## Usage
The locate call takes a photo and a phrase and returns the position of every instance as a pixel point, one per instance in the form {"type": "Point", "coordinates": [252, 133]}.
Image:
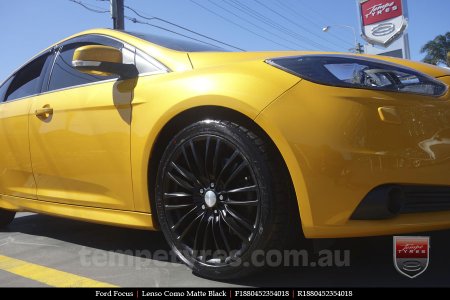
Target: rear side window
{"type": "Point", "coordinates": [27, 81]}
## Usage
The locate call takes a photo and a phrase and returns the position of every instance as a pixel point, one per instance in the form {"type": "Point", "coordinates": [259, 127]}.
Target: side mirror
{"type": "Point", "coordinates": [102, 61]}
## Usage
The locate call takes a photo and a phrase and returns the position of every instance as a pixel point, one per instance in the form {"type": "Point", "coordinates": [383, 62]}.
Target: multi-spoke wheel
{"type": "Point", "coordinates": [215, 197]}
{"type": "Point", "coordinates": [6, 217]}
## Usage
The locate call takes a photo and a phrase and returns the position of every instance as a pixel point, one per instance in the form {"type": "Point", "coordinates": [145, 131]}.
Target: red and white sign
{"type": "Point", "coordinates": [379, 10]}
{"type": "Point", "coordinates": [411, 255]}
{"type": "Point", "coordinates": [382, 21]}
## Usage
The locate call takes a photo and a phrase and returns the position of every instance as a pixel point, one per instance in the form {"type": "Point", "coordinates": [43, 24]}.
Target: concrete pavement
{"type": "Point", "coordinates": [97, 254]}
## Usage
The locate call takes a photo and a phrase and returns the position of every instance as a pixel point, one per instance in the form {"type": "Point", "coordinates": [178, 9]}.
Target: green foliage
{"type": "Point", "coordinates": [437, 50]}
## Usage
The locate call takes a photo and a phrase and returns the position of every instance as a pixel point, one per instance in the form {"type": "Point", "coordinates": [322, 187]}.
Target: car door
{"type": "Point", "coordinates": [80, 135]}
{"type": "Point", "coordinates": [16, 97]}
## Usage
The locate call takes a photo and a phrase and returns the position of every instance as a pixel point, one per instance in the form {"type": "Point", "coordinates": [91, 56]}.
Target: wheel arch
{"type": "Point", "coordinates": [189, 116]}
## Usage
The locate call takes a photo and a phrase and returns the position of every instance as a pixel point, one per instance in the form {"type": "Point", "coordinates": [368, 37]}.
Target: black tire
{"type": "Point", "coordinates": [6, 217]}
{"type": "Point", "coordinates": [214, 229]}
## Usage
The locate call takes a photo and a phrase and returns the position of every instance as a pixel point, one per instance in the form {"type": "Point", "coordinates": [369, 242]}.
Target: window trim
{"type": "Point", "coordinates": [7, 78]}
{"type": "Point", "coordinates": [60, 47]}
{"type": "Point", "coordinates": [46, 83]}
{"type": "Point", "coordinates": [3, 83]}
{"type": "Point", "coordinates": [163, 69]}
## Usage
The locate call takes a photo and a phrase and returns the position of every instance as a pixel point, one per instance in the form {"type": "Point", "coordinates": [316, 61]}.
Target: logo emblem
{"type": "Point", "coordinates": [382, 21]}
{"type": "Point", "coordinates": [383, 29]}
{"type": "Point", "coordinates": [411, 255]}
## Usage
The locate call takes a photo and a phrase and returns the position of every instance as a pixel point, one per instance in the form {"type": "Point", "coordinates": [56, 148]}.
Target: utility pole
{"type": "Point", "coordinates": [359, 48]}
{"type": "Point", "coordinates": [117, 14]}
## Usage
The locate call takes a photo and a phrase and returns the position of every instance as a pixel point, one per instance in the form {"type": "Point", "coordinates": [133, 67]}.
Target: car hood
{"type": "Point", "coordinates": [212, 59]}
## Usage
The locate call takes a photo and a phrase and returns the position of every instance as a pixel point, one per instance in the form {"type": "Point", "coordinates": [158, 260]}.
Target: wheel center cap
{"type": "Point", "coordinates": [210, 199]}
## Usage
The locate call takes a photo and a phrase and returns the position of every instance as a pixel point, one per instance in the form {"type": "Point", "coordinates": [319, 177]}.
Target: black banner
{"type": "Point", "coordinates": [217, 293]}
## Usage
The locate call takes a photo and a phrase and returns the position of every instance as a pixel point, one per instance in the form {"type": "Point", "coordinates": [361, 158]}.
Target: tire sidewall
{"type": "Point", "coordinates": [243, 142]}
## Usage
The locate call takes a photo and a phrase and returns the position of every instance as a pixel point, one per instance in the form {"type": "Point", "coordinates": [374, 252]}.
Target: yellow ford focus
{"type": "Point", "coordinates": [225, 152]}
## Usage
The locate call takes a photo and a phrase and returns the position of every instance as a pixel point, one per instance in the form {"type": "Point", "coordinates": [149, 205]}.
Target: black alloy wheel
{"type": "Point", "coordinates": [215, 198]}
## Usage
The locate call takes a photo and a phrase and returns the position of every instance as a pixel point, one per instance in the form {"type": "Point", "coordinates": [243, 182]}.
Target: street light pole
{"type": "Point", "coordinates": [358, 48]}
{"type": "Point", "coordinates": [117, 14]}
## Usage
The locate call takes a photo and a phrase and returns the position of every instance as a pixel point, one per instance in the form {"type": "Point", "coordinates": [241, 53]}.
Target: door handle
{"type": "Point", "coordinates": [44, 112]}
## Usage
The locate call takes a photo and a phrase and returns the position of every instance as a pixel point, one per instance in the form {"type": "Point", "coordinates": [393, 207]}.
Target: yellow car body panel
{"type": "Point", "coordinates": [16, 174]}
{"type": "Point", "coordinates": [202, 60]}
{"type": "Point", "coordinates": [81, 154]}
{"type": "Point", "coordinates": [158, 99]}
{"type": "Point", "coordinates": [122, 218]}
{"type": "Point", "coordinates": [90, 161]}
{"type": "Point", "coordinates": [340, 148]}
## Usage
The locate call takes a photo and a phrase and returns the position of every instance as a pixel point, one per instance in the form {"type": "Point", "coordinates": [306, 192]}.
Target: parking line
{"type": "Point", "coordinates": [48, 276]}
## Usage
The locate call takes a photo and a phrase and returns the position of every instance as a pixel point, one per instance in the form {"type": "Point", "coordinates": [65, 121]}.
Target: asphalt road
{"type": "Point", "coordinates": [119, 257]}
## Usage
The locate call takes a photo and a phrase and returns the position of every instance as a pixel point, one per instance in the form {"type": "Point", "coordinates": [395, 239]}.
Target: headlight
{"type": "Point", "coordinates": [358, 72]}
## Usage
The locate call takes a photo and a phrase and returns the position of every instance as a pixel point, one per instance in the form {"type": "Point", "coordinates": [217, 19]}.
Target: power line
{"type": "Point", "coordinates": [182, 27]}
{"type": "Point", "coordinates": [255, 25]}
{"type": "Point", "coordinates": [238, 25]}
{"type": "Point", "coordinates": [312, 10]}
{"type": "Point", "coordinates": [134, 20]}
{"type": "Point", "coordinates": [290, 9]}
{"type": "Point", "coordinates": [90, 7]}
{"type": "Point", "coordinates": [291, 21]}
{"type": "Point", "coordinates": [318, 14]}
{"type": "Point", "coordinates": [268, 21]}
{"type": "Point", "coordinates": [260, 17]}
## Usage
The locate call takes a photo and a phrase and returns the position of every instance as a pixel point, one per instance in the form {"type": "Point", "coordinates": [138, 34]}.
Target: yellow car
{"type": "Point", "coordinates": [225, 152]}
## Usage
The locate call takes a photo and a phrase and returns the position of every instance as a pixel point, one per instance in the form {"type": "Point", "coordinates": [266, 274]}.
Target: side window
{"type": "Point", "coordinates": [63, 75]}
{"type": "Point", "coordinates": [4, 88]}
{"type": "Point", "coordinates": [146, 64]}
{"type": "Point", "coordinates": [27, 81]}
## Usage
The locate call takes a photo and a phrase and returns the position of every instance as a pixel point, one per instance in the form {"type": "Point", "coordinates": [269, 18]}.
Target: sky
{"type": "Point", "coordinates": [29, 26]}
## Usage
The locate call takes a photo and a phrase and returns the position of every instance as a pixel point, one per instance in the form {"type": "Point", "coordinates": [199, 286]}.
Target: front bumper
{"type": "Point", "coordinates": [339, 144]}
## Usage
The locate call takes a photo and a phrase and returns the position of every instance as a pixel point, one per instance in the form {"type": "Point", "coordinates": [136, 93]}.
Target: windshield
{"type": "Point", "coordinates": [176, 44]}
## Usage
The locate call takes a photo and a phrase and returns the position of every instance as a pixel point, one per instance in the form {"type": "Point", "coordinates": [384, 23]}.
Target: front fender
{"type": "Point", "coordinates": [245, 87]}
